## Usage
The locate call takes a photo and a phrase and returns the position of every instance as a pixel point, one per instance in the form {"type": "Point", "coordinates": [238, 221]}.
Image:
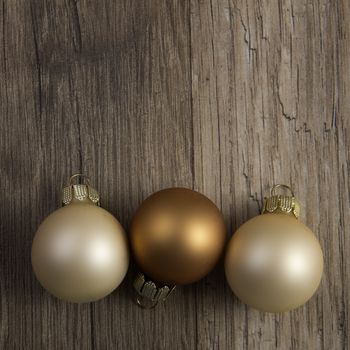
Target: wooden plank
{"type": "Point", "coordinates": [39, 149]}
{"type": "Point", "coordinates": [227, 97]}
{"type": "Point", "coordinates": [269, 107]}
{"type": "Point", "coordinates": [136, 138]}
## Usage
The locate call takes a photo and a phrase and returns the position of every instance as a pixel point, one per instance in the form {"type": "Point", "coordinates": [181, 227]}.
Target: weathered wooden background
{"type": "Point", "coordinates": [224, 96]}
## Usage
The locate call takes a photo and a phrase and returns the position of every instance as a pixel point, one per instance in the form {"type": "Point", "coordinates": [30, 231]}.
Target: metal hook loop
{"type": "Point", "coordinates": [81, 176]}
{"type": "Point", "coordinates": [274, 188]}
{"type": "Point", "coordinates": [146, 304]}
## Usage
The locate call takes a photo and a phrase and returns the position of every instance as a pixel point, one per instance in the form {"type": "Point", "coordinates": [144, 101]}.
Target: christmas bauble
{"type": "Point", "coordinates": [274, 262]}
{"type": "Point", "coordinates": [80, 251]}
{"type": "Point", "coordinates": [177, 236]}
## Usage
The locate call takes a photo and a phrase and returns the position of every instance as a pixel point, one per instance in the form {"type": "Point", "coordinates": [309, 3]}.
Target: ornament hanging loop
{"type": "Point", "coordinates": [148, 294]}
{"type": "Point", "coordinates": [81, 192]}
{"type": "Point", "coordinates": [145, 303]}
{"type": "Point", "coordinates": [281, 203]}
{"type": "Point", "coordinates": [84, 179]}
{"type": "Point", "coordinates": [274, 188]}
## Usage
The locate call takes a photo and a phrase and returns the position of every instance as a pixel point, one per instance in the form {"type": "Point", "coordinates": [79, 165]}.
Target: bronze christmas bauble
{"type": "Point", "coordinates": [177, 236]}
{"type": "Point", "coordinates": [274, 262]}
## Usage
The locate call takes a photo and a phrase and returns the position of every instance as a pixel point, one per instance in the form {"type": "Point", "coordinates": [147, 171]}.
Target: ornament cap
{"type": "Point", "coordinates": [148, 293]}
{"type": "Point", "coordinates": [80, 192]}
{"type": "Point", "coordinates": [281, 203]}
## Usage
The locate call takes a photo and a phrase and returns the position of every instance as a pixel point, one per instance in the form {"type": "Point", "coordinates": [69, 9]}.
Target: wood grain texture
{"type": "Point", "coordinates": [227, 97]}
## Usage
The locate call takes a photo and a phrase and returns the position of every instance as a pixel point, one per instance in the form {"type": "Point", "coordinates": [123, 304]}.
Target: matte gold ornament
{"type": "Point", "coordinates": [274, 262]}
{"type": "Point", "coordinates": [80, 252]}
{"type": "Point", "coordinates": [177, 236]}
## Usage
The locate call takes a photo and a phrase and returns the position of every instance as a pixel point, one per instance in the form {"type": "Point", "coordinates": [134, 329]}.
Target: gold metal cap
{"type": "Point", "coordinates": [79, 192]}
{"type": "Point", "coordinates": [149, 294]}
{"type": "Point", "coordinates": [281, 203]}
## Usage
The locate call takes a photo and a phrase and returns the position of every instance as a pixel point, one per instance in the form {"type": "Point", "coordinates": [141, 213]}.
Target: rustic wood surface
{"type": "Point", "coordinates": [227, 97]}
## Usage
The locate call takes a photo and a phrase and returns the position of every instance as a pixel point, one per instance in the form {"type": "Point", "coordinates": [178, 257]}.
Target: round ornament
{"type": "Point", "coordinates": [80, 251]}
{"type": "Point", "coordinates": [177, 236]}
{"type": "Point", "coordinates": [274, 262]}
